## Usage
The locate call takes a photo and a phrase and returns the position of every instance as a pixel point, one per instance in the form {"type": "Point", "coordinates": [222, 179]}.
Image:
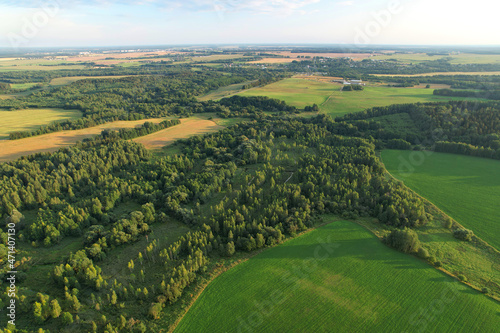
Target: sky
{"type": "Point", "coordinates": [73, 23]}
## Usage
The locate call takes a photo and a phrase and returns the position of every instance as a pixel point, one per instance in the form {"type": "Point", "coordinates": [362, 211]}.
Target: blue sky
{"type": "Point", "coordinates": [33, 23]}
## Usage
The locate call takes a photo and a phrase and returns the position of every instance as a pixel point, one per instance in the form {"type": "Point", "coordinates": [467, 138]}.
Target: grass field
{"type": "Point", "coordinates": [296, 91]}
{"type": "Point", "coordinates": [338, 278]}
{"type": "Point", "coordinates": [31, 119]}
{"type": "Point", "coordinates": [301, 92]}
{"type": "Point", "coordinates": [463, 58]}
{"type": "Point", "coordinates": [188, 127]}
{"type": "Point", "coordinates": [13, 149]}
{"type": "Point", "coordinates": [223, 92]}
{"type": "Point", "coordinates": [440, 73]}
{"type": "Point", "coordinates": [23, 85]}
{"type": "Point", "coordinates": [466, 188]}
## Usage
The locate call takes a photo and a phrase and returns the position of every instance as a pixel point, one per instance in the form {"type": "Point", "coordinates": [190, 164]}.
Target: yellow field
{"type": "Point", "coordinates": [187, 128]}
{"type": "Point", "coordinates": [61, 81]}
{"type": "Point", "coordinates": [31, 119]}
{"type": "Point", "coordinates": [13, 149]}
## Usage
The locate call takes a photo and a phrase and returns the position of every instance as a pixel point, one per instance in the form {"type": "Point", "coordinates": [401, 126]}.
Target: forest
{"type": "Point", "coordinates": [469, 128]}
{"type": "Point", "coordinates": [261, 194]}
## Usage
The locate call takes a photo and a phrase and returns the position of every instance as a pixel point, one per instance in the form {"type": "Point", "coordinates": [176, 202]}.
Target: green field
{"type": "Point", "coordinates": [23, 86]}
{"type": "Point", "coordinates": [223, 92]}
{"type": "Point", "coordinates": [31, 119]}
{"type": "Point", "coordinates": [23, 64]}
{"type": "Point", "coordinates": [297, 92]}
{"type": "Point", "coordinates": [338, 278]}
{"type": "Point", "coordinates": [332, 101]}
{"type": "Point", "coordinates": [466, 188]}
{"type": "Point", "coordinates": [462, 58]}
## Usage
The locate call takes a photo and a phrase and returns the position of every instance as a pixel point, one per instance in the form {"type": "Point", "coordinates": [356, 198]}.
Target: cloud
{"type": "Point", "coordinates": [346, 3]}
{"type": "Point", "coordinates": [255, 6]}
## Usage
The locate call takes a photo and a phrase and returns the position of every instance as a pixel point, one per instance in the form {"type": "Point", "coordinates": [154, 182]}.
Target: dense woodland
{"type": "Point", "coordinates": [349, 68]}
{"type": "Point", "coordinates": [256, 183]}
{"type": "Point", "coordinates": [470, 128]}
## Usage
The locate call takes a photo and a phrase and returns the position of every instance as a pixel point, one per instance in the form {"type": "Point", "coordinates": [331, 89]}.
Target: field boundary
{"type": "Point", "coordinates": [477, 240]}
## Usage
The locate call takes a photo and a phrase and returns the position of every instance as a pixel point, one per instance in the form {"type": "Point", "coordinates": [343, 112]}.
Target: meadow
{"type": "Point", "coordinates": [341, 277]}
{"type": "Point", "coordinates": [439, 73]}
{"type": "Point", "coordinates": [223, 92]}
{"type": "Point", "coordinates": [462, 58]}
{"type": "Point", "coordinates": [466, 188]}
{"type": "Point", "coordinates": [23, 64]}
{"type": "Point", "coordinates": [296, 91]}
{"type": "Point", "coordinates": [301, 92]}
{"type": "Point", "coordinates": [31, 119]}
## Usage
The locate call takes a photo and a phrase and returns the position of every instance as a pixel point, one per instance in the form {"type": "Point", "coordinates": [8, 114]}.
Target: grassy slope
{"type": "Point", "coordinates": [31, 119]}
{"type": "Point", "coordinates": [223, 92]}
{"type": "Point", "coordinates": [466, 188]}
{"type": "Point", "coordinates": [301, 92]}
{"type": "Point", "coordinates": [297, 92]}
{"type": "Point", "coordinates": [362, 286]}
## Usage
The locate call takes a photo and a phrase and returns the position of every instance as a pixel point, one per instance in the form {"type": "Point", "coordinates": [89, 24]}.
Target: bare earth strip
{"type": "Point", "coordinates": [13, 149]}
{"type": "Point", "coordinates": [187, 128]}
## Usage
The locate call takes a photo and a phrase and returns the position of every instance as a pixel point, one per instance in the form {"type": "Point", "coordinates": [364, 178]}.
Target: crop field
{"type": "Point", "coordinates": [13, 149]}
{"type": "Point", "coordinates": [296, 91]}
{"type": "Point", "coordinates": [466, 188]}
{"type": "Point", "coordinates": [462, 58]}
{"type": "Point", "coordinates": [62, 81]}
{"type": "Point", "coordinates": [22, 64]}
{"type": "Point", "coordinates": [31, 119]}
{"type": "Point", "coordinates": [440, 74]}
{"type": "Point", "coordinates": [301, 92]}
{"type": "Point", "coordinates": [338, 276]}
{"type": "Point", "coordinates": [187, 128]}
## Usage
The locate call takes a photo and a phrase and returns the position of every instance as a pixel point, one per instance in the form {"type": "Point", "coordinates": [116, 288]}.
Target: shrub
{"type": "Point", "coordinates": [155, 310]}
{"type": "Point", "coordinates": [423, 253]}
{"type": "Point", "coordinates": [462, 277]}
{"type": "Point", "coordinates": [463, 234]}
{"type": "Point", "coordinates": [438, 263]}
{"type": "Point", "coordinates": [67, 318]}
{"type": "Point", "coordinates": [432, 260]}
{"type": "Point", "coordinates": [448, 223]}
{"type": "Point", "coordinates": [485, 290]}
{"type": "Point", "coordinates": [405, 240]}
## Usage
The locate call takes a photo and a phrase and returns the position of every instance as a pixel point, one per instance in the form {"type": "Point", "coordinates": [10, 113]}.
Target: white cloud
{"type": "Point", "coordinates": [346, 3]}
{"type": "Point", "coordinates": [257, 6]}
